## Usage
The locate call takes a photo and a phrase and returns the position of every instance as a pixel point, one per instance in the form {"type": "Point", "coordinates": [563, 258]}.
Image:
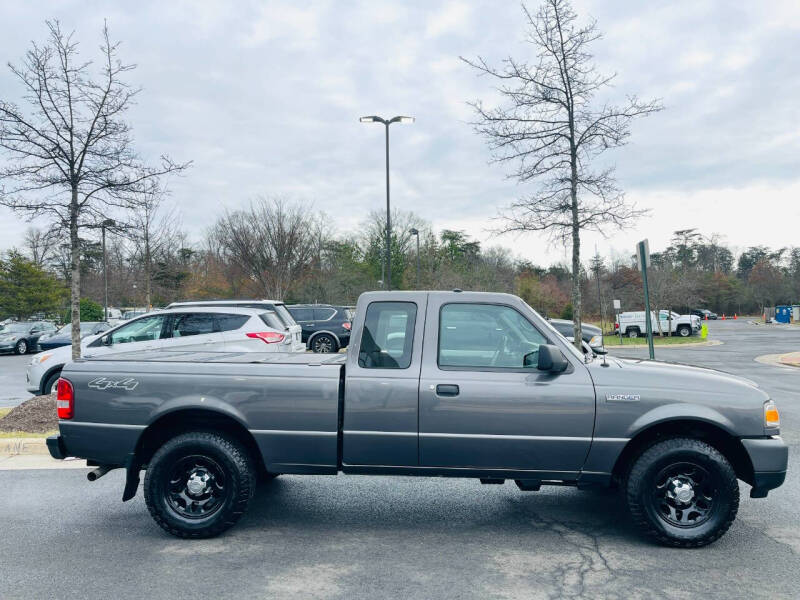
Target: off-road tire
{"type": "Point", "coordinates": [240, 475]}
{"type": "Point", "coordinates": [640, 485]}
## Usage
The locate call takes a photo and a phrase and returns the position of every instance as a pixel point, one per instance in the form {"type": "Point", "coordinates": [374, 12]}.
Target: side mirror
{"type": "Point", "coordinates": [551, 359]}
{"type": "Point", "coordinates": [106, 340]}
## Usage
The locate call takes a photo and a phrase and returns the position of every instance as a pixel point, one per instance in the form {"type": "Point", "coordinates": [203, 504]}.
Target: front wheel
{"type": "Point", "coordinates": [199, 484]}
{"type": "Point", "coordinates": [51, 383]}
{"type": "Point", "coordinates": [683, 492]}
{"type": "Point", "coordinates": [684, 331]}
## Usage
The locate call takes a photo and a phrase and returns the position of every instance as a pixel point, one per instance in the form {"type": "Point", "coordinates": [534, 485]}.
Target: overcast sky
{"type": "Point", "coordinates": [265, 97]}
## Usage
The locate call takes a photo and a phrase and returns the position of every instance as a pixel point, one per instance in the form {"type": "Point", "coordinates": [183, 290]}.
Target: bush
{"type": "Point", "coordinates": [566, 313]}
{"type": "Point", "coordinates": [90, 311]}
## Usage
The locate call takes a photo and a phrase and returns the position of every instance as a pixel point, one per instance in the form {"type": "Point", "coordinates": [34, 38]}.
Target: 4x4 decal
{"type": "Point", "coordinates": [103, 383]}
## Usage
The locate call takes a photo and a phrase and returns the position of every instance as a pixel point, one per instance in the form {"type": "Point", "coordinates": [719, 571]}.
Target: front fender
{"type": "Point", "coordinates": [680, 411]}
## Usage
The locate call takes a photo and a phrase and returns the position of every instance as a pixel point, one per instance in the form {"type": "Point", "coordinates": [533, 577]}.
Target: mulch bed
{"type": "Point", "coordinates": [37, 415]}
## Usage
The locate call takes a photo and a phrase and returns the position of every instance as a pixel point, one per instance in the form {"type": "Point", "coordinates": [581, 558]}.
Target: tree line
{"type": "Point", "coordinates": [286, 251]}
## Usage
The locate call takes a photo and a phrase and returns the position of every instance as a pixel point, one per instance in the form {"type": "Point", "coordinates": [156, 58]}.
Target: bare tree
{"type": "Point", "coordinates": [155, 228]}
{"type": "Point", "coordinates": [551, 128]}
{"type": "Point", "coordinates": [272, 242]}
{"type": "Point", "coordinates": [70, 156]}
{"type": "Point", "coordinates": [41, 245]}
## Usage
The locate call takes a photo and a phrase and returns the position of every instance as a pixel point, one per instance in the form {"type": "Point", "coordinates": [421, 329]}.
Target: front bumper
{"type": "Point", "coordinates": [770, 458]}
{"type": "Point", "coordinates": [55, 444]}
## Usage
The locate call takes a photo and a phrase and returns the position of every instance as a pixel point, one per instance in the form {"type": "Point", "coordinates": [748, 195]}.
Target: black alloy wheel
{"type": "Point", "coordinates": [683, 492]}
{"type": "Point", "coordinates": [324, 344]}
{"type": "Point", "coordinates": [199, 483]}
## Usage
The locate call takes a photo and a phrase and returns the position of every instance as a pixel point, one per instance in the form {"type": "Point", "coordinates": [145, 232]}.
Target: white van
{"type": "Point", "coordinates": [632, 324]}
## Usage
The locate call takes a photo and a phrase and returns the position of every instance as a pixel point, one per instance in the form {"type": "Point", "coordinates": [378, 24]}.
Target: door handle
{"type": "Point", "coordinates": [446, 389]}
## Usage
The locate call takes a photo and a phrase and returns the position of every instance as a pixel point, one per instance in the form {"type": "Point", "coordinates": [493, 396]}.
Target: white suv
{"type": "Point", "coordinates": [216, 329]}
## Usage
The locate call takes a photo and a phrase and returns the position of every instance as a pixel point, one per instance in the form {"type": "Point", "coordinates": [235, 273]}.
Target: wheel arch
{"type": "Point", "coordinates": [182, 420]}
{"type": "Point", "coordinates": [712, 433]}
{"type": "Point", "coordinates": [47, 374]}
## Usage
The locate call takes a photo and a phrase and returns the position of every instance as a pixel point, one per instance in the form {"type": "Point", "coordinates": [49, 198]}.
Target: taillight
{"type": "Point", "coordinates": [268, 337]}
{"type": "Point", "coordinates": [347, 325]}
{"type": "Point", "coordinates": [65, 399]}
{"type": "Point", "coordinates": [616, 325]}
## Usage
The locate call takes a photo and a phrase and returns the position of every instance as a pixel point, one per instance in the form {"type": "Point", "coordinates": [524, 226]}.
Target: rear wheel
{"type": "Point", "coordinates": [633, 332]}
{"type": "Point", "coordinates": [324, 343]}
{"type": "Point", "coordinates": [199, 484]}
{"type": "Point", "coordinates": [683, 492]}
{"type": "Point", "coordinates": [21, 347]}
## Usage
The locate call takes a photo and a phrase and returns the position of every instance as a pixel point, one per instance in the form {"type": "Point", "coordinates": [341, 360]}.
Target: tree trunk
{"type": "Point", "coordinates": [75, 276]}
{"type": "Point", "coordinates": [576, 256]}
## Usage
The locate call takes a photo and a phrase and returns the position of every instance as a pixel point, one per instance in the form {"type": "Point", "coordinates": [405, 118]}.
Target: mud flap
{"type": "Point", "coordinates": [132, 468]}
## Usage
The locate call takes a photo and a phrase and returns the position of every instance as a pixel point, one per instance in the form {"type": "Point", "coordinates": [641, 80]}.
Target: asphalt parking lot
{"type": "Point", "coordinates": [378, 537]}
{"type": "Point", "coordinates": [12, 379]}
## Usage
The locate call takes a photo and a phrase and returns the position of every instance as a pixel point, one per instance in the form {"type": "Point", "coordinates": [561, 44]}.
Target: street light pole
{"type": "Point", "coordinates": [386, 123]}
{"type": "Point", "coordinates": [103, 225]}
{"type": "Point", "coordinates": [415, 232]}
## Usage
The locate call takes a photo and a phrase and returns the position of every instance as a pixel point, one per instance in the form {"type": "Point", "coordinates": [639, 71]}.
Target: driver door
{"type": "Point", "coordinates": [480, 408]}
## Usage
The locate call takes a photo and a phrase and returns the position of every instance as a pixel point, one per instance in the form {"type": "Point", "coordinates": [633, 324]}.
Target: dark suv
{"type": "Point", "coordinates": [326, 328]}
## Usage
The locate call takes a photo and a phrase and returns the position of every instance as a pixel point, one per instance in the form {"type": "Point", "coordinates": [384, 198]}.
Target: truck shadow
{"type": "Point", "coordinates": [326, 504]}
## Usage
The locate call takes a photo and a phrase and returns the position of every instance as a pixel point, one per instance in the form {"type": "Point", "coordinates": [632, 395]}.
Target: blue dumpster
{"type": "Point", "coordinates": [783, 313]}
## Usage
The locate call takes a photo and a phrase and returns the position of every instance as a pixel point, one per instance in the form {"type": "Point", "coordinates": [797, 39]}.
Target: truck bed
{"type": "Point", "coordinates": [290, 403]}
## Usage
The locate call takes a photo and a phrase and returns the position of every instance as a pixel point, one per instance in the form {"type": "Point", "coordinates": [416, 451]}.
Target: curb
{"type": "Point", "coordinates": [777, 360]}
{"type": "Point", "coordinates": [665, 346]}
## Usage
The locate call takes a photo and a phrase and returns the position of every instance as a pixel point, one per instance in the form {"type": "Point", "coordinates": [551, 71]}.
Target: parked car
{"type": "Point", "coordinates": [326, 328]}
{"type": "Point", "coordinates": [590, 334]}
{"type": "Point", "coordinates": [21, 337]}
{"type": "Point", "coordinates": [279, 308]}
{"type": "Point", "coordinates": [212, 329]}
{"type": "Point", "coordinates": [632, 324]}
{"type": "Point", "coordinates": [63, 336]}
{"type": "Point", "coordinates": [453, 384]}
{"type": "Point", "coordinates": [704, 314]}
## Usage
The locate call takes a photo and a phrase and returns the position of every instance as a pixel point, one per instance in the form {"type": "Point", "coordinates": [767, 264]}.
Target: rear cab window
{"type": "Point", "coordinates": [388, 335]}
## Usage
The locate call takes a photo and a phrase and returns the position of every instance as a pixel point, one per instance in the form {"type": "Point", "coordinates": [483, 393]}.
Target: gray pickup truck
{"type": "Point", "coordinates": [454, 384]}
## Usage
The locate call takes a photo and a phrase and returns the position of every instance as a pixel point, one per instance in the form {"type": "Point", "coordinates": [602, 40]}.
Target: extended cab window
{"type": "Point", "coordinates": [388, 335]}
{"type": "Point", "coordinates": [486, 336]}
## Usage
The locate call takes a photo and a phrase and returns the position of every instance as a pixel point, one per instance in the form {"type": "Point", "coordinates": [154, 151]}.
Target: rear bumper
{"type": "Point", "coordinates": [770, 458]}
{"type": "Point", "coordinates": [55, 444]}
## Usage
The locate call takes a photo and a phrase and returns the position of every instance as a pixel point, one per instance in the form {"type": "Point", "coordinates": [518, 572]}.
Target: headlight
{"type": "Point", "coordinates": [40, 358]}
{"type": "Point", "coordinates": [596, 341]}
{"type": "Point", "coordinates": [772, 418]}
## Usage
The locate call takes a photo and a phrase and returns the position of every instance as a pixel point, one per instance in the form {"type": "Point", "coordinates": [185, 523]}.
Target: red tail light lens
{"type": "Point", "coordinates": [347, 325]}
{"type": "Point", "coordinates": [268, 337]}
{"type": "Point", "coordinates": [65, 399]}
